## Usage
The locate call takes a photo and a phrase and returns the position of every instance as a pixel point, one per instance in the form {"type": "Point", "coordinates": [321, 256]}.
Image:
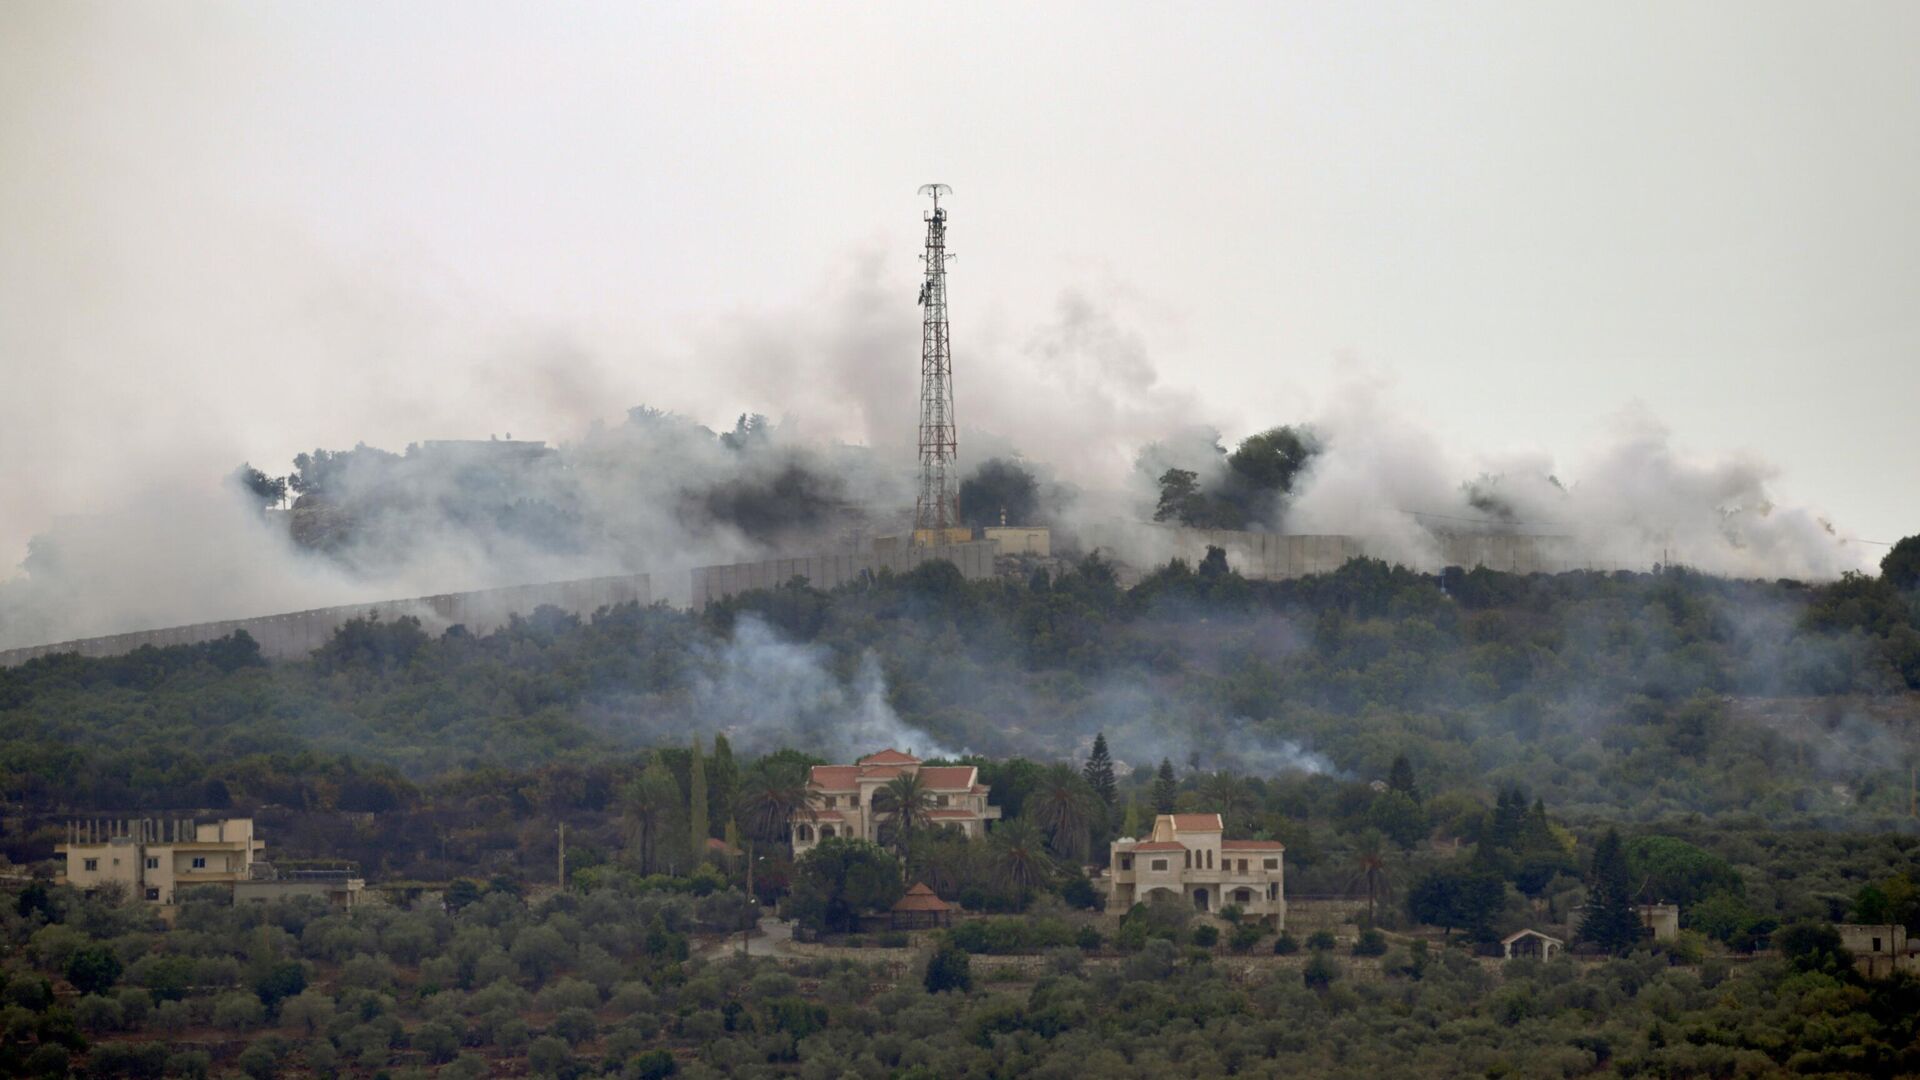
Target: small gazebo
{"type": "Point", "coordinates": [921, 909]}
{"type": "Point", "coordinates": [1531, 943]}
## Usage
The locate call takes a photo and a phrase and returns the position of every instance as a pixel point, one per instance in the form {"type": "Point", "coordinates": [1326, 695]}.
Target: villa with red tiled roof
{"type": "Point", "coordinates": [1187, 857]}
{"type": "Point", "coordinates": [843, 798]}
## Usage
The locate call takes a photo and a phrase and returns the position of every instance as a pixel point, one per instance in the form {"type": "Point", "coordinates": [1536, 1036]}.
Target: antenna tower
{"type": "Point", "coordinates": [938, 508]}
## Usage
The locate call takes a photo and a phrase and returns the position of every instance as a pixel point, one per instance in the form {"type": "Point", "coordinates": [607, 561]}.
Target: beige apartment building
{"type": "Point", "coordinates": [1188, 857]}
{"type": "Point", "coordinates": [153, 858]}
{"type": "Point", "coordinates": [843, 798]}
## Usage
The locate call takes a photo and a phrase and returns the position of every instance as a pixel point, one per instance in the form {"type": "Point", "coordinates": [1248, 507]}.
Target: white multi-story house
{"type": "Point", "coordinates": [843, 798]}
{"type": "Point", "coordinates": [1189, 858]}
{"type": "Point", "coordinates": [153, 858]}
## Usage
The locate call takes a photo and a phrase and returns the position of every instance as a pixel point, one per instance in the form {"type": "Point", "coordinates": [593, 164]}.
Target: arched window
{"type": "Point", "coordinates": [826, 832]}
{"type": "Point", "coordinates": [1243, 896]}
{"type": "Point", "coordinates": [803, 833]}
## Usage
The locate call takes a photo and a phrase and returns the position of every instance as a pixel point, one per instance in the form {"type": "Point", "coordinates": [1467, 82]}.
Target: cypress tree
{"type": "Point", "coordinates": [1165, 789]}
{"type": "Point", "coordinates": [1099, 771]}
{"type": "Point", "coordinates": [1400, 778]}
{"type": "Point", "coordinates": [723, 784]}
{"type": "Point", "coordinates": [1611, 920]}
{"type": "Point", "coordinates": [697, 803]}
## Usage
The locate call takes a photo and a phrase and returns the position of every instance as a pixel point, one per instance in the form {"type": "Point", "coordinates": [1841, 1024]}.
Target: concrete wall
{"type": "Point", "coordinates": [1277, 556]}
{"type": "Point", "coordinates": [295, 634]}
{"type": "Point", "coordinates": [711, 583]}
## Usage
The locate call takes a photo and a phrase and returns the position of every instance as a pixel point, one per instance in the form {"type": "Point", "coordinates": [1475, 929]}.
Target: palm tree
{"type": "Point", "coordinates": [1063, 806]}
{"type": "Point", "coordinates": [1228, 794]}
{"type": "Point", "coordinates": [770, 798]}
{"type": "Point", "coordinates": [1370, 865]}
{"type": "Point", "coordinates": [944, 864]}
{"type": "Point", "coordinates": [1018, 856]}
{"type": "Point", "coordinates": [650, 801]}
{"type": "Point", "coordinates": [909, 806]}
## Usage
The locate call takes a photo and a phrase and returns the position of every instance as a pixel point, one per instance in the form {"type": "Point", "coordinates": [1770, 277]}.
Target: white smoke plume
{"type": "Point", "coordinates": [766, 692]}
{"type": "Point", "coordinates": [1631, 502]}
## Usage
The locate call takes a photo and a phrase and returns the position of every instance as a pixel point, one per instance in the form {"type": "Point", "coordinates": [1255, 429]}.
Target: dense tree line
{"type": "Point", "coordinates": [1634, 694]}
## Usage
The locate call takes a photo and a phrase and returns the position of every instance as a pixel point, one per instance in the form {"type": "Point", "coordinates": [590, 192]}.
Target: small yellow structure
{"type": "Point", "coordinates": [941, 537]}
{"type": "Point", "coordinates": [1020, 539]}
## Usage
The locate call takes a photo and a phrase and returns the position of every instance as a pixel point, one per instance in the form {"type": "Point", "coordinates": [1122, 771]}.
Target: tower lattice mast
{"type": "Point", "coordinates": [937, 508]}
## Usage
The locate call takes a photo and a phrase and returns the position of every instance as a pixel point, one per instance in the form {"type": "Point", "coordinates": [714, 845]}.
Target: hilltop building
{"type": "Point", "coordinates": [1878, 950]}
{"type": "Point", "coordinates": [843, 798]}
{"type": "Point", "coordinates": [1188, 857]}
{"type": "Point", "coordinates": [154, 858]}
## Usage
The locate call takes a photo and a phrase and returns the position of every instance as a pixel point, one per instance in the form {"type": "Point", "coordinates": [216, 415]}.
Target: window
{"type": "Point", "coordinates": [1126, 862]}
{"type": "Point", "coordinates": [1876, 945]}
{"type": "Point", "coordinates": [1189, 858]}
{"type": "Point", "coordinates": [153, 894]}
{"type": "Point", "coordinates": [1159, 864]}
{"type": "Point", "coordinates": [1243, 866]}
{"type": "Point", "coordinates": [832, 801]}
{"type": "Point", "coordinates": [1273, 892]}
{"type": "Point", "coordinates": [93, 864]}
{"type": "Point", "coordinates": [1243, 896]}
{"type": "Point", "coordinates": [803, 833]}
{"type": "Point", "coordinates": [826, 832]}
{"type": "Point", "coordinates": [1273, 864]}
{"type": "Point", "coordinates": [939, 800]}
{"type": "Point", "coordinates": [153, 863]}
{"type": "Point", "coordinates": [199, 862]}
{"type": "Point", "coordinates": [1209, 858]}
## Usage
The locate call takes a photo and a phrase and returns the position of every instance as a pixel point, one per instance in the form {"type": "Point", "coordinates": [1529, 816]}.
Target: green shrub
{"type": "Point", "coordinates": [1371, 942]}
{"type": "Point", "coordinates": [652, 1065]}
{"type": "Point", "coordinates": [1079, 892]}
{"type": "Point", "coordinates": [96, 1014]}
{"type": "Point", "coordinates": [893, 939]}
{"type": "Point", "coordinates": [1245, 936]}
{"type": "Point", "coordinates": [1285, 945]}
{"type": "Point", "coordinates": [436, 1040]}
{"type": "Point", "coordinates": [576, 1026]}
{"type": "Point", "coordinates": [1321, 940]}
{"type": "Point", "coordinates": [190, 1064]}
{"type": "Point", "coordinates": [238, 1012]}
{"type": "Point", "coordinates": [548, 1054]}
{"type": "Point", "coordinates": [949, 969]}
{"type": "Point", "coordinates": [1206, 935]}
{"type": "Point", "coordinates": [1320, 971]}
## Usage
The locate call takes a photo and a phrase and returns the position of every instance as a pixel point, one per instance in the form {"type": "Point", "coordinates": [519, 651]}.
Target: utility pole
{"type": "Point", "coordinates": [937, 510]}
{"type": "Point", "coordinates": [746, 932]}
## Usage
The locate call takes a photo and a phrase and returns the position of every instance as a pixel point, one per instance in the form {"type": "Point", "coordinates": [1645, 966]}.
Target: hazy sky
{"type": "Point", "coordinates": [241, 230]}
